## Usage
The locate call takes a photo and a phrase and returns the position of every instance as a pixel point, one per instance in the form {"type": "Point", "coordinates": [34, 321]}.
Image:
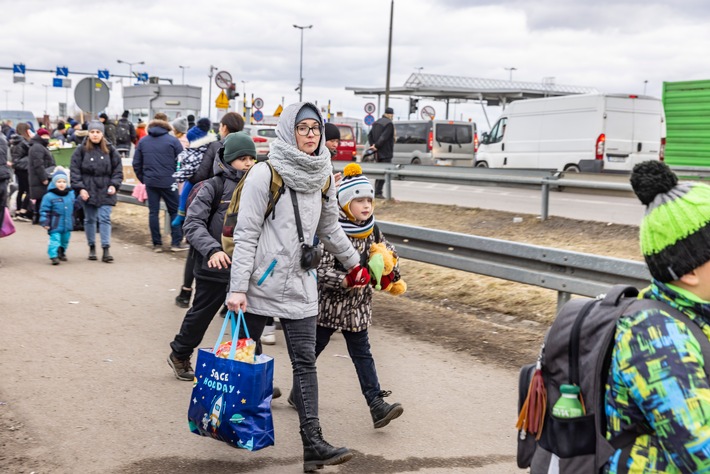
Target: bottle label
{"type": "Point", "coordinates": [567, 411]}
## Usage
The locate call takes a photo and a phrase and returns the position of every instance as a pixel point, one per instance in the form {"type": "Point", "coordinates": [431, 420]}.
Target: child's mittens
{"type": "Point", "coordinates": [357, 277]}
{"type": "Point", "coordinates": [179, 219]}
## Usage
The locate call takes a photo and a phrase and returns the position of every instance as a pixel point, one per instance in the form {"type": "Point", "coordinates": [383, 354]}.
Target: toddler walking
{"type": "Point", "coordinates": [56, 216]}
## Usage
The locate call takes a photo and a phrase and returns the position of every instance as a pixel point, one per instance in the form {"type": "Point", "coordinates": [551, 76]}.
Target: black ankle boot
{"type": "Point", "coordinates": [107, 256]}
{"type": "Point", "coordinates": [183, 299]}
{"type": "Point", "coordinates": [317, 452]}
{"type": "Point", "coordinates": [92, 252]}
{"type": "Point", "coordinates": [61, 255]}
{"type": "Point", "coordinates": [382, 412]}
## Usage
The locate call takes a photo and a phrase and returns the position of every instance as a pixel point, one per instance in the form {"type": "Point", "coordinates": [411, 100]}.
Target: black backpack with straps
{"type": "Point", "coordinates": [577, 350]}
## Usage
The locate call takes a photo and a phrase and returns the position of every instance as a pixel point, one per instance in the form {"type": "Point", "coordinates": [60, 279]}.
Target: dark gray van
{"type": "Point", "coordinates": [435, 142]}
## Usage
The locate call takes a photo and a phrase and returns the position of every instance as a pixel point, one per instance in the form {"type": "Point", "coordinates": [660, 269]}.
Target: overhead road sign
{"type": "Point", "coordinates": [223, 79]}
{"type": "Point", "coordinates": [103, 74]}
{"type": "Point", "coordinates": [63, 71]}
{"type": "Point", "coordinates": [142, 76]}
{"type": "Point", "coordinates": [61, 82]}
{"type": "Point", "coordinates": [18, 68]}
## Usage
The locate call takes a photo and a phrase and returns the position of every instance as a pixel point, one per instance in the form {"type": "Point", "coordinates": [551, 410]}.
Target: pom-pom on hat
{"type": "Point", "coordinates": [675, 230]}
{"type": "Point", "coordinates": [354, 185]}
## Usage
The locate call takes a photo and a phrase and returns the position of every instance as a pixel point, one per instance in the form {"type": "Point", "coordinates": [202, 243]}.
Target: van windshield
{"type": "Point", "coordinates": [346, 133]}
{"type": "Point", "coordinates": [412, 133]}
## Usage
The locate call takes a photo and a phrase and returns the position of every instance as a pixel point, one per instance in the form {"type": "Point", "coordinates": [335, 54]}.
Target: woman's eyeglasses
{"type": "Point", "coordinates": [304, 130]}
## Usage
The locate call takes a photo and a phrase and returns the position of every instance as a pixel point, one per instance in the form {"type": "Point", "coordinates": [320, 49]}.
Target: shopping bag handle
{"type": "Point", "coordinates": [236, 322]}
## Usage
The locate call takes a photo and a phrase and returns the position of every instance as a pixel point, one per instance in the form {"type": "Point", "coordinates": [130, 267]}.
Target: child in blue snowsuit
{"type": "Point", "coordinates": [56, 216]}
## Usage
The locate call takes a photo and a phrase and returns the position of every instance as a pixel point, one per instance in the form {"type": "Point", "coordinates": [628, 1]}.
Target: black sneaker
{"type": "Point", "coordinates": [183, 299]}
{"type": "Point", "coordinates": [181, 368]}
{"type": "Point", "coordinates": [55, 261]}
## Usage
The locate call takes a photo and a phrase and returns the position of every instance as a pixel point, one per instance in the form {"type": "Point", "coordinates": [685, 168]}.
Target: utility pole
{"type": "Point", "coordinates": [46, 87]}
{"type": "Point", "coordinates": [183, 73]}
{"type": "Point", "coordinates": [209, 100]}
{"type": "Point", "coordinates": [389, 58]}
{"type": "Point", "coordinates": [300, 82]}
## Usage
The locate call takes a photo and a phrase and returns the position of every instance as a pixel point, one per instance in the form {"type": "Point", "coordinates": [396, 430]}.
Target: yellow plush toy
{"type": "Point", "coordinates": [381, 263]}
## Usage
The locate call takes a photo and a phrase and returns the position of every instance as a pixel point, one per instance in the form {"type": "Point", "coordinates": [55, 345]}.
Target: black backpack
{"type": "Point", "coordinates": [123, 133]}
{"type": "Point", "coordinates": [577, 350]}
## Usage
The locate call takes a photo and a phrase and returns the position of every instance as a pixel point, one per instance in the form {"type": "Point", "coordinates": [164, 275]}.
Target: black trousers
{"type": "Point", "coordinates": [209, 298]}
{"type": "Point", "coordinates": [380, 183]}
{"type": "Point", "coordinates": [23, 190]}
{"type": "Point", "coordinates": [4, 183]}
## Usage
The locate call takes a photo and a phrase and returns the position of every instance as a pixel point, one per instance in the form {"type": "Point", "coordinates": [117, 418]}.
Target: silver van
{"type": "Point", "coordinates": [435, 142]}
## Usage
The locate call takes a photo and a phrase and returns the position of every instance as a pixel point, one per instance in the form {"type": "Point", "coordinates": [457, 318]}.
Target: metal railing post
{"type": "Point", "coordinates": [388, 185]}
{"type": "Point", "coordinates": [562, 298]}
{"type": "Point", "coordinates": [545, 211]}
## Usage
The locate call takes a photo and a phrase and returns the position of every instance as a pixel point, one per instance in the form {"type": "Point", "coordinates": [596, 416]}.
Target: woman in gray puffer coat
{"type": "Point", "coordinates": [96, 175]}
{"type": "Point", "coordinates": [270, 267]}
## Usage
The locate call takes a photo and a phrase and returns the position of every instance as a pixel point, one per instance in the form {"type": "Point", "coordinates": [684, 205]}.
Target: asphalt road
{"type": "Point", "coordinates": [86, 388]}
{"type": "Point", "coordinates": [573, 205]}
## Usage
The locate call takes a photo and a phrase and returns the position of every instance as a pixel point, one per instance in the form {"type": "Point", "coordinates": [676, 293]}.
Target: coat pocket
{"type": "Point", "coordinates": [267, 272]}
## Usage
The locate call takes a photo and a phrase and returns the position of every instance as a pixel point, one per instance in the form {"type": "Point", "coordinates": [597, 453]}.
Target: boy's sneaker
{"type": "Point", "coordinates": [158, 248]}
{"type": "Point", "coordinates": [181, 368]}
{"type": "Point", "coordinates": [61, 255]}
{"type": "Point", "coordinates": [179, 247]}
{"type": "Point", "coordinates": [55, 261]}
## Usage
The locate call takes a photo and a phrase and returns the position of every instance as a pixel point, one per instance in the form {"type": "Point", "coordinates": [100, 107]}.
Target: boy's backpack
{"type": "Point", "coordinates": [276, 189]}
{"type": "Point", "coordinates": [577, 351]}
{"type": "Point", "coordinates": [217, 183]}
{"type": "Point", "coordinates": [123, 133]}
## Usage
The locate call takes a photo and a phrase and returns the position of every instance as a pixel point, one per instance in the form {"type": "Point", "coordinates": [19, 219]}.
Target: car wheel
{"type": "Point", "coordinates": [572, 169]}
{"type": "Point", "coordinates": [416, 161]}
{"type": "Point", "coordinates": [481, 164]}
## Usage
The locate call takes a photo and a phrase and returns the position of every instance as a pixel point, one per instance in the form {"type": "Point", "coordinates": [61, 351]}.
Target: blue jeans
{"type": "Point", "coordinates": [300, 335]}
{"type": "Point", "coordinates": [56, 240]}
{"type": "Point", "coordinates": [103, 214]}
{"type": "Point", "coordinates": [359, 349]}
{"type": "Point", "coordinates": [171, 198]}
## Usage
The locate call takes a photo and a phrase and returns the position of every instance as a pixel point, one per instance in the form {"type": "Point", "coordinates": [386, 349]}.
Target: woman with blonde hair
{"type": "Point", "coordinates": [96, 175]}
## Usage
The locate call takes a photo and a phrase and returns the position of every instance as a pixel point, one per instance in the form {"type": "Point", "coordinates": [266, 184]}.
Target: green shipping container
{"type": "Point", "coordinates": [687, 109]}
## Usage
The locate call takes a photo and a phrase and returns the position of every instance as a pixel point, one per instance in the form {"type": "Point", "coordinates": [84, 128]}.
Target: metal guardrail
{"type": "Point", "coordinates": [565, 271]}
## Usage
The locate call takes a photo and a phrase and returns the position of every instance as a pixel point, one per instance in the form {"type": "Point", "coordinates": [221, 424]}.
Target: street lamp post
{"type": "Point", "coordinates": [209, 99]}
{"type": "Point", "coordinates": [183, 73]}
{"type": "Point", "coordinates": [510, 70]}
{"type": "Point", "coordinates": [389, 57]}
{"type": "Point", "coordinates": [300, 82]}
{"type": "Point", "coordinates": [46, 87]}
{"type": "Point", "coordinates": [23, 92]}
{"type": "Point", "coordinates": [130, 65]}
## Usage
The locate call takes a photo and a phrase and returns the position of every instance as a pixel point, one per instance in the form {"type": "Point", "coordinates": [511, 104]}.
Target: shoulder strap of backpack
{"type": "Point", "coordinates": [276, 189]}
{"type": "Point", "coordinates": [376, 230]}
{"type": "Point", "coordinates": [218, 186]}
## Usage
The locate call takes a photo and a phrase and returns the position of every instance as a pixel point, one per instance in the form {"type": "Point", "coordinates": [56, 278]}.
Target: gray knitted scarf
{"type": "Point", "coordinates": [301, 172]}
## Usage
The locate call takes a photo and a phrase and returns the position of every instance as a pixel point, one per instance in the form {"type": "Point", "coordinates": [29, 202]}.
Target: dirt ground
{"type": "Point", "coordinates": [493, 320]}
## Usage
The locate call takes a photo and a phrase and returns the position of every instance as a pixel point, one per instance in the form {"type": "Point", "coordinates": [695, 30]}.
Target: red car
{"type": "Point", "coordinates": [347, 149]}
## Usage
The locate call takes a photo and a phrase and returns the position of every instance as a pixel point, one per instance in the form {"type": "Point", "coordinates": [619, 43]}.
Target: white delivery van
{"type": "Point", "coordinates": [588, 132]}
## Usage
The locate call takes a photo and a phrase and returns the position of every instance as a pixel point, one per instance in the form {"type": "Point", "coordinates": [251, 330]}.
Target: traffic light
{"type": "Point", "coordinates": [413, 105]}
{"type": "Point", "coordinates": [231, 91]}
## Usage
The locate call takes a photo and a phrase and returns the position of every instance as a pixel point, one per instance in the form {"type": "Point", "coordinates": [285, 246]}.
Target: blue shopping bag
{"type": "Point", "coordinates": [231, 400]}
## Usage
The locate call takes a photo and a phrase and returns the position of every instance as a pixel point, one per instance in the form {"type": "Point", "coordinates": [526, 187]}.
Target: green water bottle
{"type": "Point", "coordinates": [568, 406]}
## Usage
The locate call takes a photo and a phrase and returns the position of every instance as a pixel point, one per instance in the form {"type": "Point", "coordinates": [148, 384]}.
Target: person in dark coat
{"type": "Point", "coordinates": [154, 162]}
{"type": "Point", "coordinates": [41, 164]}
{"type": "Point", "coordinates": [109, 129]}
{"type": "Point", "coordinates": [381, 139]}
{"type": "Point", "coordinates": [96, 175]}
{"type": "Point", "coordinates": [19, 149]}
{"type": "Point", "coordinates": [203, 227]}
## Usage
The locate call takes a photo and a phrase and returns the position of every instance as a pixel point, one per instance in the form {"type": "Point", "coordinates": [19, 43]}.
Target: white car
{"type": "Point", "coordinates": [262, 135]}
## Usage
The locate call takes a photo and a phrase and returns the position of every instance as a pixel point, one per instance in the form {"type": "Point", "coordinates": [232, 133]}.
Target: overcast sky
{"type": "Point", "coordinates": [613, 46]}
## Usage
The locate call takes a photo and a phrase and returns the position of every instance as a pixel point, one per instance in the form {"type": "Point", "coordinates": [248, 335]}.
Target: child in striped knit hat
{"type": "Point", "coordinates": [657, 383]}
{"type": "Point", "coordinates": [350, 309]}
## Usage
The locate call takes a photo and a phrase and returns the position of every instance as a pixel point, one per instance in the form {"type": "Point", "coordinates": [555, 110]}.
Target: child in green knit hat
{"type": "Point", "coordinates": [657, 379]}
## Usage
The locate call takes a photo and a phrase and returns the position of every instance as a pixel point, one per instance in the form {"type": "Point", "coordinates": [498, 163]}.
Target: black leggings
{"type": "Point", "coordinates": [23, 190]}
{"type": "Point", "coordinates": [189, 272]}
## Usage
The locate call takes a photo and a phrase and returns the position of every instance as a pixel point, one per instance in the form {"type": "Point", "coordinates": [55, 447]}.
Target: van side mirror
{"type": "Point", "coordinates": [484, 137]}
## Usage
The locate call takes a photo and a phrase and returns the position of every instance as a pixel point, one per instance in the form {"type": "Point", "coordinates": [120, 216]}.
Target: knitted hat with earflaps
{"type": "Point", "coordinates": [675, 230]}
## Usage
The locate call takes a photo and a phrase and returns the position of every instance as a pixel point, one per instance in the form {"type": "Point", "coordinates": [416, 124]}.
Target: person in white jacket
{"type": "Point", "coordinates": [274, 263]}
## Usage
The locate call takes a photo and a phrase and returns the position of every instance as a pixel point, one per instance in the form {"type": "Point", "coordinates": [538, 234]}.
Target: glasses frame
{"type": "Point", "coordinates": [309, 130]}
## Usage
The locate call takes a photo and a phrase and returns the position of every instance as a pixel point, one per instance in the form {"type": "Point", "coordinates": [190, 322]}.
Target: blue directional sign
{"type": "Point", "coordinates": [57, 82]}
{"type": "Point", "coordinates": [18, 68]}
{"type": "Point", "coordinates": [369, 119]}
{"type": "Point", "coordinates": [63, 71]}
{"type": "Point", "coordinates": [258, 115]}
{"type": "Point", "coordinates": [142, 76]}
{"type": "Point", "coordinates": [103, 74]}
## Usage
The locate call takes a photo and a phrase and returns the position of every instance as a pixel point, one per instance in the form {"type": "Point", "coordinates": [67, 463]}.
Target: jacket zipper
{"type": "Point", "coordinates": [268, 272]}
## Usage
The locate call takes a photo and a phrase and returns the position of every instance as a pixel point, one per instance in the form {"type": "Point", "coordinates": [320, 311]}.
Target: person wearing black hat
{"type": "Point", "coordinates": [125, 132]}
{"type": "Point", "coordinates": [190, 121]}
{"type": "Point", "coordinates": [381, 139]}
{"type": "Point", "coordinates": [110, 129]}
{"type": "Point", "coordinates": [332, 138]}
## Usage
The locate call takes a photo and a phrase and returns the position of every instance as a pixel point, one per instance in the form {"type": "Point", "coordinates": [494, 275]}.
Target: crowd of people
{"type": "Point", "coordinates": [195, 173]}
